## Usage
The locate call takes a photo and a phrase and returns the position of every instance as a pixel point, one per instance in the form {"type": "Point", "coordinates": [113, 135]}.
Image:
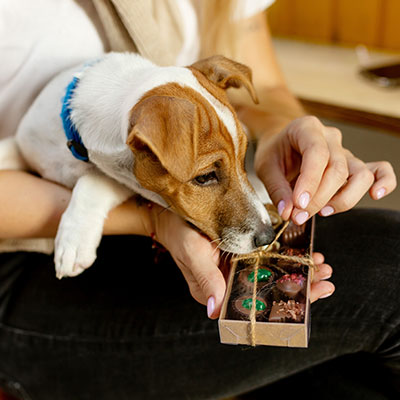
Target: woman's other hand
{"type": "Point", "coordinates": [320, 287]}
{"type": "Point", "coordinates": [306, 171]}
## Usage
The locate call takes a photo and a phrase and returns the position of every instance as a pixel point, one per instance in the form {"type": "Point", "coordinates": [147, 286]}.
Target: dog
{"type": "Point", "coordinates": [168, 134]}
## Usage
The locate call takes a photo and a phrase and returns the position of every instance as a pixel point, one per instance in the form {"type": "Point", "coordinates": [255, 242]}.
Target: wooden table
{"type": "Point", "coordinates": [326, 79]}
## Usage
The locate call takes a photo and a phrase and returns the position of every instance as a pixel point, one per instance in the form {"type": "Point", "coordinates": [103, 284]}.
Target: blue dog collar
{"type": "Point", "coordinates": [74, 140]}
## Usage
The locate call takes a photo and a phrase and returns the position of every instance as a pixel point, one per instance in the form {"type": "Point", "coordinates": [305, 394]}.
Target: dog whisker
{"type": "Point", "coordinates": [221, 243]}
{"type": "Point", "coordinates": [217, 247]}
{"type": "Point", "coordinates": [225, 254]}
{"type": "Point", "coordinates": [215, 240]}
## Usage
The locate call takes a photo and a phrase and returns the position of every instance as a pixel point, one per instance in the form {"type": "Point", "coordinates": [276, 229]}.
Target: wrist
{"type": "Point", "coordinates": [130, 218]}
{"type": "Point", "coordinates": [148, 219]}
{"type": "Point", "coordinates": [151, 220]}
{"type": "Point", "coordinates": [273, 125]}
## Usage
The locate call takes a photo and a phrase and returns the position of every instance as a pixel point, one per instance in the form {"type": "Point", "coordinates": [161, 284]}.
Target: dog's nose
{"type": "Point", "coordinates": [264, 236]}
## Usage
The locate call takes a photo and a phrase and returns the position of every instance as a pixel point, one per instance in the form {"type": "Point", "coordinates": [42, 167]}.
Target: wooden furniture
{"type": "Point", "coordinates": [375, 23]}
{"type": "Point", "coordinates": [326, 78]}
{"type": "Point", "coordinates": [315, 42]}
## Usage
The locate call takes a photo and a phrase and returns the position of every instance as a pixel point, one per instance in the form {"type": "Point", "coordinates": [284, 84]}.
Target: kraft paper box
{"type": "Point", "coordinates": [291, 310]}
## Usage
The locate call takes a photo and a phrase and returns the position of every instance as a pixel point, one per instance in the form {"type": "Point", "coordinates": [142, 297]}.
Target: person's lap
{"type": "Point", "coordinates": [129, 329]}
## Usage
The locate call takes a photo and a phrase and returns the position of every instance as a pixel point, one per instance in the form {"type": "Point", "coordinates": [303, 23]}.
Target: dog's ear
{"type": "Point", "coordinates": [166, 126]}
{"type": "Point", "coordinates": [226, 73]}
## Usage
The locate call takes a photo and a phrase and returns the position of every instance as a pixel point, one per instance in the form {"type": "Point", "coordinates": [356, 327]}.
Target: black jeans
{"type": "Point", "coordinates": [128, 329]}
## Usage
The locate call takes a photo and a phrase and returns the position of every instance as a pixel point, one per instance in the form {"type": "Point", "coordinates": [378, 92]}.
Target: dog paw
{"type": "Point", "coordinates": [71, 261]}
{"type": "Point", "coordinates": [74, 252]}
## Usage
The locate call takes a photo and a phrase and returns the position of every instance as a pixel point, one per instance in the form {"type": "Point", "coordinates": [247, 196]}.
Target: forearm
{"type": "Point", "coordinates": [32, 207]}
{"type": "Point", "coordinates": [277, 105]}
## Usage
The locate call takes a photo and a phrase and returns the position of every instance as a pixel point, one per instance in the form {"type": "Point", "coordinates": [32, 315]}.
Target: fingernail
{"type": "Point", "coordinates": [210, 306]}
{"type": "Point", "coordinates": [326, 277]}
{"type": "Point", "coordinates": [380, 193]}
{"type": "Point", "coordinates": [327, 210]}
{"type": "Point", "coordinates": [324, 296]}
{"type": "Point", "coordinates": [281, 207]}
{"type": "Point", "coordinates": [301, 217]}
{"type": "Point", "coordinates": [304, 199]}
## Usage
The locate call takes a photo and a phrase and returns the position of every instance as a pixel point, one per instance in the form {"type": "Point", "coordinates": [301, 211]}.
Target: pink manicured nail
{"type": "Point", "coordinates": [304, 199]}
{"type": "Point", "coordinates": [301, 217]}
{"type": "Point", "coordinates": [327, 210]}
{"type": "Point", "coordinates": [380, 193]}
{"type": "Point", "coordinates": [324, 296]}
{"type": "Point", "coordinates": [281, 207]}
{"type": "Point", "coordinates": [210, 306]}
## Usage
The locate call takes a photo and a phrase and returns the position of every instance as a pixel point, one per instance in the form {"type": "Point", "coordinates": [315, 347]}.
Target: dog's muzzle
{"type": "Point", "coordinates": [263, 236]}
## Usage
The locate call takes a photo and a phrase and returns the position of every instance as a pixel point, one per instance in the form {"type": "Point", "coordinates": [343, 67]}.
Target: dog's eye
{"type": "Point", "coordinates": [206, 179]}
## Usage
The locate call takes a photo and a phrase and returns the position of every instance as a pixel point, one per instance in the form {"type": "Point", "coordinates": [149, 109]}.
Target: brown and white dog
{"type": "Point", "coordinates": [166, 133]}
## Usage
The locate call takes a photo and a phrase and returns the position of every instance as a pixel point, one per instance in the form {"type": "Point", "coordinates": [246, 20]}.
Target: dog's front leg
{"type": "Point", "coordinates": [81, 225]}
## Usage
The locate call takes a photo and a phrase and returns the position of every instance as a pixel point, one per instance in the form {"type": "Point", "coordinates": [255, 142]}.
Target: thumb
{"type": "Point", "coordinates": [196, 257]}
{"type": "Point", "coordinates": [198, 260]}
{"type": "Point", "coordinates": [209, 280]}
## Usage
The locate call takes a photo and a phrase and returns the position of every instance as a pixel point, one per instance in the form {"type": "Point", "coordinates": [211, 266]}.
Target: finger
{"type": "Point", "coordinates": [335, 175]}
{"type": "Point", "coordinates": [321, 290]}
{"type": "Point", "coordinates": [358, 183]}
{"type": "Point", "coordinates": [310, 142]}
{"type": "Point", "coordinates": [318, 258]}
{"type": "Point", "coordinates": [277, 186]}
{"type": "Point", "coordinates": [201, 290]}
{"type": "Point", "coordinates": [385, 179]}
{"type": "Point", "coordinates": [323, 272]}
{"type": "Point", "coordinates": [196, 257]}
{"type": "Point", "coordinates": [198, 260]}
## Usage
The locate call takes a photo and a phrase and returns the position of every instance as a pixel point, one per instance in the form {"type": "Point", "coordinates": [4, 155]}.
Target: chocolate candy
{"type": "Point", "coordinates": [289, 251]}
{"type": "Point", "coordinates": [294, 236]}
{"type": "Point", "coordinates": [246, 278]}
{"type": "Point", "coordinates": [243, 304]}
{"type": "Point", "coordinates": [291, 284]}
{"type": "Point", "coordinates": [292, 311]}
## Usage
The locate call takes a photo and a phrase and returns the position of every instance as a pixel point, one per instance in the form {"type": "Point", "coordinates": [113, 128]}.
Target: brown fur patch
{"type": "Point", "coordinates": [176, 135]}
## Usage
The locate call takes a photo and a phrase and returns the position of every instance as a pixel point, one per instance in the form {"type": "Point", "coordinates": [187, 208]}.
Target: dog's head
{"type": "Point", "coordinates": [190, 149]}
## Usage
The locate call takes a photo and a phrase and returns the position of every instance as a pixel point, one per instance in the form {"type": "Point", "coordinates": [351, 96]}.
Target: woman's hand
{"type": "Point", "coordinates": [320, 288]}
{"type": "Point", "coordinates": [198, 260]}
{"type": "Point", "coordinates": [327, 178]}
{"type": "Point", "coordinates": [195, 255]}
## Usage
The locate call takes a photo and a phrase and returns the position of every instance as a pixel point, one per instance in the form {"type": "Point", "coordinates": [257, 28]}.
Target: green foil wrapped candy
{"type": "Point", "coordinates": [263, 275]}
{"type": "Point", "coordinates": [247, 303]}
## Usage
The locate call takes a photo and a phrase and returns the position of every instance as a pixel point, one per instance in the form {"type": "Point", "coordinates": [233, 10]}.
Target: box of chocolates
{"type": "Point", "coordinates": [277, 280]}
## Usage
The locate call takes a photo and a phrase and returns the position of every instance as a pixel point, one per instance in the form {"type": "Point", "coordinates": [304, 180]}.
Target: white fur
{"type": "Point", "coordinates": [107, 91]}
{"type": "Point", "coordinates": [136, 77]}
{"type": "Point", "coordinates": [81, 225]}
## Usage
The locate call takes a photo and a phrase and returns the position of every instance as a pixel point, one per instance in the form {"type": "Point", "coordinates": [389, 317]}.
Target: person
{"type": "Point", "coordinates": [128, 327]}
